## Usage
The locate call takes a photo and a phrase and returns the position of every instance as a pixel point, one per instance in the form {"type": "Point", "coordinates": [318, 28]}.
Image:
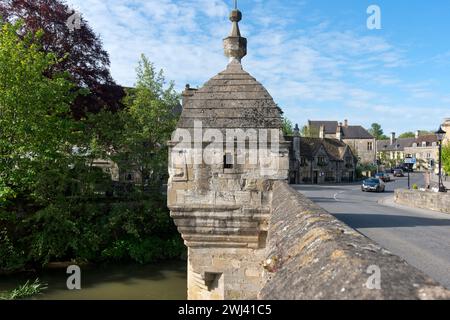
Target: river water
{"type": "Point", "coordinates": [160, 281]}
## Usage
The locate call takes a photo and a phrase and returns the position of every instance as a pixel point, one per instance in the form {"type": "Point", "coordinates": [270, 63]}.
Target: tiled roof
{"type": "Point", "coordinates": [334, 147]}
{"type": "Point", "coordinates": [401, 143]}
{"type": "Point", "coordinates": [330, 126]}
{"type": "Point", "coordinates": [429, 139]}
{"type": "Point", "coordinates": [348, 132]}
{"type": "Point", "coordinates": [355, 132]}
{"type": "Point", "coordinates": [231, 99]}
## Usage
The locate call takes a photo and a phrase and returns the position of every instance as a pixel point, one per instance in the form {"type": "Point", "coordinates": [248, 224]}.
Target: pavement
{"type": "Point", "coordinates": [445, 182]}
{"type": "Point", "coordinates": [421, 237]}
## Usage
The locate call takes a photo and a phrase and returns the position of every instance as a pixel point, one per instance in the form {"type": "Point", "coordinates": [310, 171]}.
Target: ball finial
{"type": "Point", "coordinates": [235, 16]}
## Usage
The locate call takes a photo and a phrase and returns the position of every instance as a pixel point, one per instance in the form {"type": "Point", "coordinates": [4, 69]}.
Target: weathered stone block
{"type": "Point", "coordinates": [311, 255]}
{"type": "Point", "coordinates": [424, 199]}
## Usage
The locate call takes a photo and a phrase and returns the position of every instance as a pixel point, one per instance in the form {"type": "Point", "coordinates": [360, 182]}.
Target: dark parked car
{"type": "Point", "coordinates": [374, 185]}
{"type": "Point", "coordinates": [383, 176]}
{"type": "Point", "coordinates": [407, 167]}
{"type": "Point", "coordinates": [398, 173]}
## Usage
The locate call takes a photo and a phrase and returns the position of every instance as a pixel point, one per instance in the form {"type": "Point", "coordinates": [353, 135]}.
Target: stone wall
{"type": "Point", "coordinates": [225, 273]}
{"type": "Point", "coordinates": [424, 199]}
{"type": "Point", "coordinates": [360, 149]}
{"type": "Point", "coordinates": [311, 255]}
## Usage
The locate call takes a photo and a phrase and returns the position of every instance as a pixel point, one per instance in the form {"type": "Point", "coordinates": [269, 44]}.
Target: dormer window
{"type": "Point", "coordinates": [424, 143]}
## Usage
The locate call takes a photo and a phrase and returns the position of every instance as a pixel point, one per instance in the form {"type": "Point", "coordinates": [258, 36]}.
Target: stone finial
{"type": "Point", "coordinates": [235, 45]}
{"type": "Point", "coordinates": [296, 130]}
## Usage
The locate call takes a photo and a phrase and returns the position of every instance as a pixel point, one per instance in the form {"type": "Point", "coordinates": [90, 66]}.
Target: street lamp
{"type": "Point", "coordinates": [440, 136]}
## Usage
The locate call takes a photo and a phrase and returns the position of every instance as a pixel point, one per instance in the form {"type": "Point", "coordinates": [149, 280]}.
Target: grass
{"type": "Point", "coordinates": [24, 291]}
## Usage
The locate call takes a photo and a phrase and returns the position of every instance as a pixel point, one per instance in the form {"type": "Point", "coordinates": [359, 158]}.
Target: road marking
{"type": "Point", "coordinates": [336, 195]}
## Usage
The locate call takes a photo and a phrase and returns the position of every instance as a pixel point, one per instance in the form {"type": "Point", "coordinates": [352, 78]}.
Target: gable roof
{"type": "Point", "coordinates": [330, 126]}
{"type": "Point", "coordinates": [355, 132]}
{"type": "Point", "coordinates": [399, 144]}
{"type": "Point", "coordinates": [348, 132]}
{"type": "Point", "coordinates": [429, 139]}
{"type": "Point", "coordinates": [334, 148]}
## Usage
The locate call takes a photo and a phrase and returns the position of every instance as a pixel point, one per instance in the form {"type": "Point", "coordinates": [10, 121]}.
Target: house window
{"type": "Point", "coordinates": [321, 161]}
{"type": "Point", "coordinates": [303, 161]}
{"type": "Point", "coordinates": [130, 177]}
{"type": "Point", "coordinates": [228, 161]}
{"type": "Point", "coordinates": [370, 146]}
{"type": "Point", "coordinates": [428, 155]}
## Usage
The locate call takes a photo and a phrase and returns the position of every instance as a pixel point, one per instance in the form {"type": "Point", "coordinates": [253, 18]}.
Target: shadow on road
{"type": "Point", "coordinates": [361, 220]}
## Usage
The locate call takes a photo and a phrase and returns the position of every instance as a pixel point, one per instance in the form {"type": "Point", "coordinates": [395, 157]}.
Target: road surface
{"type": "Point", "coordinates": [421, 237]}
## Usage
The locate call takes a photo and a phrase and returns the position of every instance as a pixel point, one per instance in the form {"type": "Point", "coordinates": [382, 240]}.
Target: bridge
{"type": "Point", "coordinates": [249, 234]}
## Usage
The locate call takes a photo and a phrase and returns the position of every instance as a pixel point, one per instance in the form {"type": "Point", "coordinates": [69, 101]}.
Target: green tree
{"type": "Point", "coordinates": [288, 127]}
{"type": "Point", "coordinates": [446, 158]}
{"type": "Point", "coordinates": [36, 137]}
{"type": "Point", "coordinates": [52, 205]}
{"type": "Point", "coordinates": [407, 135]}
{"type": "Point", "coordinates": [376, 131]}
{"type": "Point", "coordinates": [36, 132]}
{"type": "Point", "coordinates": [310, 132]}
{"type": "Point", "coordinates": [150, 119]}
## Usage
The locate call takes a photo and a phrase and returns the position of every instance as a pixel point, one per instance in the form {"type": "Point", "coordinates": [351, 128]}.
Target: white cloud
{"type": "Point", "coordinates": [318, 69]}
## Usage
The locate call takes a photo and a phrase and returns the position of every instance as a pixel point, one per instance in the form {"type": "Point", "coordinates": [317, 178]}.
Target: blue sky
{"type": "Point", "coordinates": [317, 58]}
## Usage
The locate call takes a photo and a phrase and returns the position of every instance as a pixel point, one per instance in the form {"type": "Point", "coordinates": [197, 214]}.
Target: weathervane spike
{"type": "Point", "coordinates": [235, 45]}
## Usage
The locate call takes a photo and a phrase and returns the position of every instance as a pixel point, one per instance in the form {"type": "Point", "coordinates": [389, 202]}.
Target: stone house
{"type": "Point", "coordinates": [319, 161]}
{"type": "Point", "coordinates": [446, 127]}
{"type": "Point", "coordinates": [357, 137]}
{"type": "Point", "coordinates": [392, 152]}
{"type": "Point", "coordinates": [424, 148]}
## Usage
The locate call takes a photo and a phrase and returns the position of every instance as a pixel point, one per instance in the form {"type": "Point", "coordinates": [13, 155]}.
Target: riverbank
{"type": "Point", "coordinates": [158, 281]}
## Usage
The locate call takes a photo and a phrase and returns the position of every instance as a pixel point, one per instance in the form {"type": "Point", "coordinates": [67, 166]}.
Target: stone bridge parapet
{"type": "Point", "coordinates": [312, 255]}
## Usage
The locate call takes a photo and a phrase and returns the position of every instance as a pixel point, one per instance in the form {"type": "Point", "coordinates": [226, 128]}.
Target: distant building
{"type": "Point", "coordinates": [392, 151]}
{"type": "Point", "coordinates": [319, 161]}
{"type": "Point", "coordinates": [358, 138]}
{"type": "Point", "coordinates": [424, 148]}
{"type": "Point", "coordinates": [446, 127]}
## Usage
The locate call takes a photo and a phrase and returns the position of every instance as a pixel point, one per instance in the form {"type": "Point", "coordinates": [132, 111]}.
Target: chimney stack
{"type": "Point", "coordinates": [346, 123]}
{"type": "Point", "coordinates": [417, 134]}
{"type": "Point", "coordinates": [339, 132]}
{"type": "Point", "coordinates": [322, 132]}
{"type": "Point", "coordinates": [392, 138]}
